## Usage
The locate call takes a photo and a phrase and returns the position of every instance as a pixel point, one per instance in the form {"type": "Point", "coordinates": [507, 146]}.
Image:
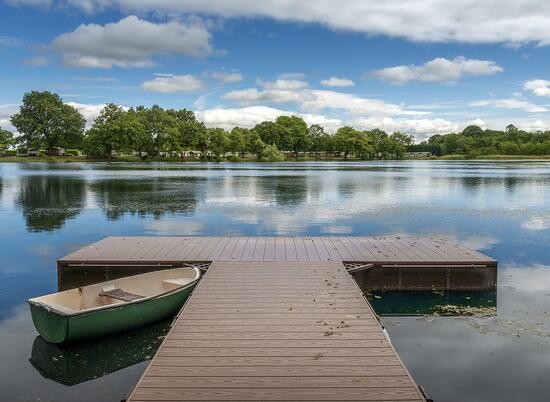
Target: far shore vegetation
{"type": "Point", "coordinates": [51, 130]}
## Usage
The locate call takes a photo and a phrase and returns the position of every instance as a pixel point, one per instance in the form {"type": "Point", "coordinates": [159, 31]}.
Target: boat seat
{"type": "Point", "coordinates": [119, 294]}
{"type": "Point", "coordinates": [175, 283]}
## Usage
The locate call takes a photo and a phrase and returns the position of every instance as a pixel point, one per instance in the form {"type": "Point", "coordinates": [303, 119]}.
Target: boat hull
{"type": "Point", "coordinates": [58, 328]}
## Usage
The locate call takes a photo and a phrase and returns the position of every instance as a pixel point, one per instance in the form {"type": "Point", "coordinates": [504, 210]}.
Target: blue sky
{"type": "Point", "coordinates": [428, 69]}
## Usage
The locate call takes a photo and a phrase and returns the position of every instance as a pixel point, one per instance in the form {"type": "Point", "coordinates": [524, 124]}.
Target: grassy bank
{"type": "Point", "coordinates": [64, 159]}
{"type": "Point", "coordinates": [491, 157]}
{"type": "Point", "coordinates": [69, 159]}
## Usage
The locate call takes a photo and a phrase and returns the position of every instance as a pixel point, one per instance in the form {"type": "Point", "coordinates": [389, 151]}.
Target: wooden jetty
{"type": "Point", "coordinates": [281, 318]}
{"type": "Point", "coordinates": [397, 262]}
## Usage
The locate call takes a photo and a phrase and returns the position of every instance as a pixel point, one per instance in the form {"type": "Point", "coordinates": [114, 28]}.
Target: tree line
{"type": "Point", "coordinates": [45, 121]}
{"type": "Point", "coordinates": [474, 141]}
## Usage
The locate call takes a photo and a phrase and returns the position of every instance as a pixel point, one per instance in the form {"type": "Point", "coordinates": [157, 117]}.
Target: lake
{"type": "Point", "coordinates": [499, 208]}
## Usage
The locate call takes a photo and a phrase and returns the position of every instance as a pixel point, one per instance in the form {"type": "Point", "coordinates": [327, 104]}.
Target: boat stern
{"type": "Point", "coordinates": [52, 325]}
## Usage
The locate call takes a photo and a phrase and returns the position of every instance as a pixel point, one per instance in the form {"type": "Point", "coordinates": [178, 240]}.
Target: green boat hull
{"type": "Point", "coordinates": [58, 328]}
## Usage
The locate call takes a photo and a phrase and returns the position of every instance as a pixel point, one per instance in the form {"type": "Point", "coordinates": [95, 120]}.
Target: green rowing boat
{"type": "Point", "coordinates": [114, 306]}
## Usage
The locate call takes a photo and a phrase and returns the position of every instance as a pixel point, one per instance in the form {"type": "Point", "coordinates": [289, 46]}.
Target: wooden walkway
{"type": "Point", "coordinates": [379, 250]}
{"type": "Point", "coordinates": [287, 331]}
{"type": "Point", "coordinates": [280, 318]}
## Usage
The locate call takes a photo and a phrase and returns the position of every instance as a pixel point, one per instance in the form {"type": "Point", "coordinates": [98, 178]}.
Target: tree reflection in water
{"type": "Point", "coordinates": [146, 197]}
{"type": "Point", "coordinates": [284, 190]}
{"type": "Point", "coordinates": [48, 201]}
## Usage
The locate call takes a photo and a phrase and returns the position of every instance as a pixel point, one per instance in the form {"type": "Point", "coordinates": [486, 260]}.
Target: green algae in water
{"type": "Point", "coordinates": [416, 303]}
{"type": "Point", "coordinates": [456, 310]}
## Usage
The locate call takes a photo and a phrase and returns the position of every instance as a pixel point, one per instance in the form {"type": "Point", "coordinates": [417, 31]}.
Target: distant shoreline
{"type": "Point", "coordinates": [73, 159]}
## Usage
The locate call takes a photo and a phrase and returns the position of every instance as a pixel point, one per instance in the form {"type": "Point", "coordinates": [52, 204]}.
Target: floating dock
{"type": "Point", "coordinates": [282, 318]}
{"type": "Point", "coordinates": [396, 262]}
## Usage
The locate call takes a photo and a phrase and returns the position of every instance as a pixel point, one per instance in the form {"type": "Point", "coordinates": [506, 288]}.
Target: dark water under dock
{"type": "Point", "coordinates": [499, 208]}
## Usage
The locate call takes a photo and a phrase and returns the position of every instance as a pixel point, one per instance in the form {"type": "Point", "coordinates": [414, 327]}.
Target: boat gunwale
{"type": "Point", "coordinates": [48, 307]}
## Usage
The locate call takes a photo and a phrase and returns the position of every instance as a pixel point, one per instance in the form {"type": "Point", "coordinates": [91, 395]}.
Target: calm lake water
{"type": "Point", "coordinates": [499, 208]}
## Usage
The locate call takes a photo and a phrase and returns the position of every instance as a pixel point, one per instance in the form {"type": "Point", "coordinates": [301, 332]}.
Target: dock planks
{"type": "Point", "coordinates": [276, 331]}
{"type": "Point", "coordinates": [378, 250]}
{"type": "Point", "coordinates": [280, 318]}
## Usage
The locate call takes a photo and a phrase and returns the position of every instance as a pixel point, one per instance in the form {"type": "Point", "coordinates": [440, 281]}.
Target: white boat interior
{"type": "Point", "coordinates": [118, 291]}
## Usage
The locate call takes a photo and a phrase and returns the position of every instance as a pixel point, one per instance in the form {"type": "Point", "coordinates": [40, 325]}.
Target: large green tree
{"type": "Point", "coordinates": [270, 153]}
{"type": "Point", "coordinates": [163, 129]}
{"type": "Point", "coordinates": [381, 145]}
{"type": "Point", "coordinates": [217, 141]}
{"type": "Point", "coordinates": [472, 131]}
{"type": "Point", "coordinates": [319, 140]}
{"type": "Point", "coordinates": [6, 138]}
{"type": "Point", "coordinates": [44, 120]}
{"type": "Point", "coordinates": [398, 143]}
{"type": "Point", "coordinates": [294, 133]}
{"type": "Point", "coordinates": [140, 139]}
{"type": "Point", "coordinates": [191, 131]}
{"type": "Point", "coordinates": [346, 140]}
{"type": "Point", "coordinates": [253, 143]}
{"type": "Point", "coordinates": [269, 133]}
{"type": "Point", "coordinates": [237, 140]}
{"type": "Point", "coordinates": [113, 130]}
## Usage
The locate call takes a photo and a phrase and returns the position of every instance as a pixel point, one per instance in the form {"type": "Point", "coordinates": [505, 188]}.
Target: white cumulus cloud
{"type": "Point", "coordinates": [6, 111]}
{"type": "Point", "coordinates": [249, 116]}
{"type": "Point", "coordinates": [131, 42]}
{"type": "Point", "coordinates": [511, 21]}
{"type": "Point", "coordinates": [538, 87]}
{"type": "Point", "coordinates": [477, 122]}
{"type": "Point", "coordinates": [337, 82]}
{"type": "Point", "coordinates": [499, 122]}
{"type": "Point", "coordinates": [88, 110]}
{"type": "Point", "coordinates": [438, 70]}
{"type": "Point", "coordinates": [225, 76]}
{"type": "Point", "coordinates": [312, 100]}
{"type": "Point", "coordinates": [45, 4]}
{"type": "Point", "coordinates": [510, 103]}
{"type": "Point", "coordinates": [172, 84]}
{"type": "Point", "coordinates": [325, 99]}
{"type": "Point", "coordinates": [10, 41]}
{"type": "Point", "coordinates": [536, 125]}
{"type": "Point", "coordinates": [292, 76]}
{"type": "Point", "coordinates": [37, 61]}
{"type": "Point", "coordinates": [422, 128]}
{"type": "Point", "coordinates": [282, 84]}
